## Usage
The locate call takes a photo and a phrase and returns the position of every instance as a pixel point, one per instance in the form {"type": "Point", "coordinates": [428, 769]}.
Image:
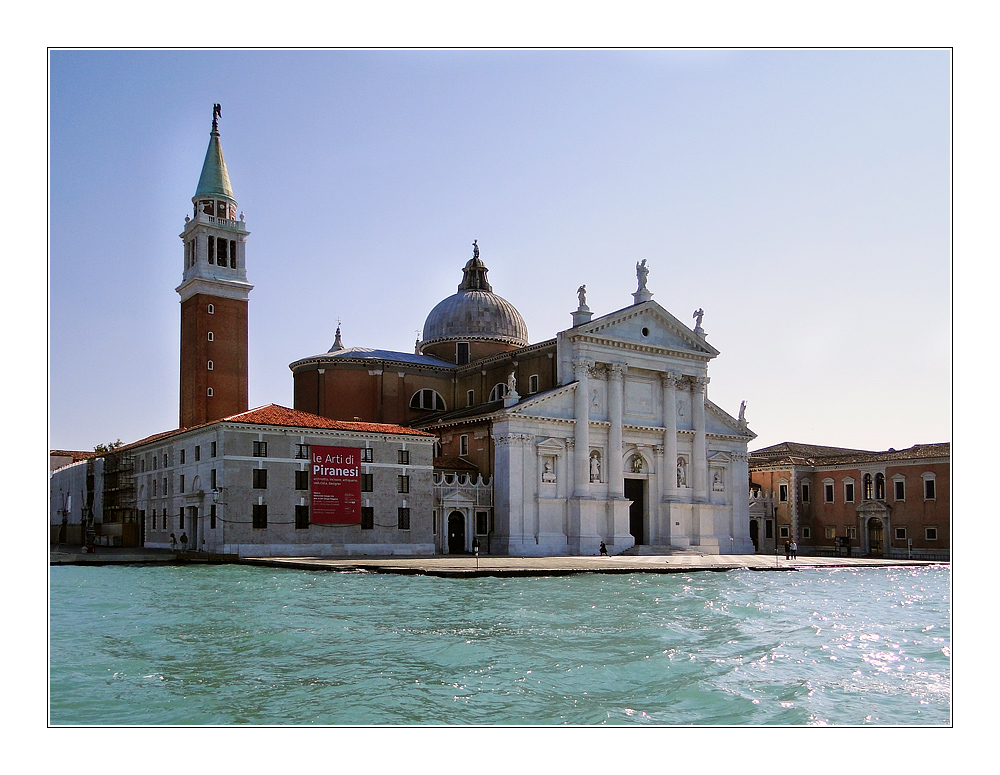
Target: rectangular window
{"type": "Point", "coordinates": [900, 533]}
{"type": "Point", "coordinates": [197, 454]}
{"type": "Point", "coordinates": [470, 397]}
{"type": "Point", "coordinates": [807, 532]}
{"type": "Point", "coordinates": [403, 518]}
{"type": "Point", "coordinates": [367, 518]}
{"type": "Point", "coordinates": [154, 488]}
{"type": "Point", "coordinates": [211, 517]}
{"type": "Point", "coordinates": [482, 523]}
{"type": "Point", "coordinates": [900, 487]}
{"type": "Point", "coordinates": [849, 492]}
{"type": "Point", "coordinates": [232, 251]}
{"type": "Point", "coordinates": [301, 451]}
{"type": "Point", "coordinates": [260, 478]}
{"type": "Point", "coordinates": [154, 519]}
{"type": "Point", "coordinates": [403, 457]}
{"type": "Point", "coordinates": [462, 353]}
{"type": "Point", "coordinates": [783, 493]}
{"type": "Point", "coordinates": [929, 489]}
{"type": "Point", "coordinates": [211, 250]}
{"type": "Point", "coordinates": [223, 252]}
{"type": "Point", "coordinates": [301, 480]}
{"type": "Point", "coordinates": [829, 532]}
{"type": "Point", "coordinates": [403, 484]}
{"type": "Point", "coordinates": [930, 533]}
{"type": "Point", "coordinates": [783, 531]}
{"type": "Point", "coordinates": [259, 516]}
{"type": "Point", "coordinates": [367, 482]}
{"type": "Point", "coordinates": [463, 445]}
{"type": "Point", "coordinates": [260, 449]}
{"type": "Point", "coordinates": [213, 449]}
{"type": "Point", "coordinates": [768, 528]}
{"type": "Point", "coordinates": [533, 383]}
{"type": "Point", "coordinates": [851, 531]}
{"type": "Point", "coordinates": [182, 457]}
{"type": "Point", "coordinates": [301, 517]}
{"type": "Point", "coordinates": [164, 487]}
{"type": "Point", "coordinates": [805, 493]}
{"type": "Point", "coordinates": [182, 482]}
{"type": "Point", "coordinates": [367, 455]}
{"type": "Point", "coordinates": [164, 459]}
{"type": "Point", "coordinates": [215, 480]}
{"type": "Point", "coordinates": [180, 522]}
{"type": "Point", "coordinates": [828, 493]}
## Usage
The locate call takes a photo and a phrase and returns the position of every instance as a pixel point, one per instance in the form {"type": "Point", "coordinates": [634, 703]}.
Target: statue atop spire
{"type": "Point", "coordinates": [216, 115]}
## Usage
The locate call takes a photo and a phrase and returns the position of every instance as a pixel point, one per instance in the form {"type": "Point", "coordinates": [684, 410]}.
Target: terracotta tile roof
{"type": "Point", "coordinates": [75, 455]}
{"type": "Point", "coordinates": [273, 414]}
{"type": "Point", "coordinates": [793, 453]}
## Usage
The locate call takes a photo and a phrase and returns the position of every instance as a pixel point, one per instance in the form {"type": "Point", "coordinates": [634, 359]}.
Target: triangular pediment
{"type": "Point", "coordinates": [722, 423]}
{"type": "Point", "coordinates": [647, 326]}
{"type": "Point", "coordinates": [458, 498]}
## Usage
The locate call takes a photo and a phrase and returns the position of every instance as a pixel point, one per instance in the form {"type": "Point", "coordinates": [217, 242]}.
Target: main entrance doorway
{"type": "Point", "coordinates": [456, 532]}
{"type": "Point", "coordinates": [875, 530]}
{"type": "Point", "coordinates": [635, 490]}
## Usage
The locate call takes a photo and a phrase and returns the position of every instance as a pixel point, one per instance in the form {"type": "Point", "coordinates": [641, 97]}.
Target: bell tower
{"type": "Point", "coordinates": [214, 297]}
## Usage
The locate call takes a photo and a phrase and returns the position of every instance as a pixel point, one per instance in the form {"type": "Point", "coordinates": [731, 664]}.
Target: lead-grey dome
{"type": "Point", "coordinates": [475, 313]}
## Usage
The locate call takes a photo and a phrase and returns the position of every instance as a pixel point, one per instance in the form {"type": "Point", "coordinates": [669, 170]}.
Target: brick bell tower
{"type": "Point", "coordinates": [214, 297]}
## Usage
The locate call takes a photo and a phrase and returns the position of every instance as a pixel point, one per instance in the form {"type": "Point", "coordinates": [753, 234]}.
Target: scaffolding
{"type": "Point", "coordinates": [119, 495]}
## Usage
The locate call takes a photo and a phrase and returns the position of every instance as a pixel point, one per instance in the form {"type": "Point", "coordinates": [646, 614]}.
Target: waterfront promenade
{"type": "Point", "coordinates": [467, 565]}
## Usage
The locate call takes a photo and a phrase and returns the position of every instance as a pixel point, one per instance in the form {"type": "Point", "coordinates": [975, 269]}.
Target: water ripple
{"type": "Point", "coordinates": [246, 645]}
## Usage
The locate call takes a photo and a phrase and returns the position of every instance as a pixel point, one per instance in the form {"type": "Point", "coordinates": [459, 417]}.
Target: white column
{"type": "Point", "coordinates": [616, 477]}
{"type": "Point", "coordinates": [581, 456]}
{"type": "Point", "coordinates": [700, 455]}
{"type": "Point", "coordinates": [669, 382]}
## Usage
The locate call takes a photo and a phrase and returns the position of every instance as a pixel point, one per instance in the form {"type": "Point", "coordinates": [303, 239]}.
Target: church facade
{"type": "Point", "coordinates": [604, 434]}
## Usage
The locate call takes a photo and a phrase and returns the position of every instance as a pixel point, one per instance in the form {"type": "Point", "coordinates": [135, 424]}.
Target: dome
{"type": "Point", "coordinates": [475, 312]}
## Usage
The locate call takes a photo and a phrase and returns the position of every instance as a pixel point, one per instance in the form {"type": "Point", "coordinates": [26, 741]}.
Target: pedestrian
{"type": "Point", "coordinates": [788, 550]}
{"type": "Point", "coordinates": [795, 550]}
{"type": "Point", "coordinates": [173, 541]}
{"type": "Point", "coordinates": [184, 542]}
{"type": "Point", "coordinates": [604, 549]}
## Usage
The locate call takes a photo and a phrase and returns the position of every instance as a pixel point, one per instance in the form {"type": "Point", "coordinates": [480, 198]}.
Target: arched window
{"type": "Point", "coordinates": [211, 336]}
{"type": "Point", "coordinates": [211, 366]}
{"type": "Point", "coordinates": [866, 487]}
{"type": "Point", "coordinates": [499, 391]}
{"type": "Point", "coordinates": [427, 399]}
{"type": "Point", "coordinates": [211, 309]}
{"type": "Point", "coordinates": [211, 392]}
{"type": "Point", "coordinates": [879, 487]}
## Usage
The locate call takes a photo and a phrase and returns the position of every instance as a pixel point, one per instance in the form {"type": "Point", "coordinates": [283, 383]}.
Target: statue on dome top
{"type": "Point", "coordinates": [475, 249]}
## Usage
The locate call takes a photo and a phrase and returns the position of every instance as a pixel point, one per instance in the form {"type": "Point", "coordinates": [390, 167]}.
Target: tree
{"type": "Point", "coordinates": [111, 445]}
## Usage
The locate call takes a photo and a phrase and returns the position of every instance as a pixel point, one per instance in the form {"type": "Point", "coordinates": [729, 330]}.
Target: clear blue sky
{"type": "Point", "coordinates": [801, 198]}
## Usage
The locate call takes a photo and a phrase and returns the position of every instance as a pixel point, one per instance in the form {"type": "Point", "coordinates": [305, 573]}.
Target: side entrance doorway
{"type": "Point", "coordinates": [635, 491]}
{"type": "Point", "coordinates": [456, 532]}
{"type": "Point", "coordinates": [875, 537]}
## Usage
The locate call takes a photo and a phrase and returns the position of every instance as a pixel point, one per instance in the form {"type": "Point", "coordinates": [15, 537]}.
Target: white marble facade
{"type": "Point", "coordinates": [630, 422]}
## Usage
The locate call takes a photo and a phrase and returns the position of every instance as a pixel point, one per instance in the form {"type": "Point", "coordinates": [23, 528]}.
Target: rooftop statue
{"type": "Point", "coordinates": [582, 293]}
{"type": "Point", "coordinates": [475, 249]}
{"type": "Point", "coordinates": [642, 272]}
{"type": "Point", "coordinates": [698, 315]}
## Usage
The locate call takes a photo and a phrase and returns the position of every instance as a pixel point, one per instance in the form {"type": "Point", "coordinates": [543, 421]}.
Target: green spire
{"type": "Point", "coordinates": [214, 180]}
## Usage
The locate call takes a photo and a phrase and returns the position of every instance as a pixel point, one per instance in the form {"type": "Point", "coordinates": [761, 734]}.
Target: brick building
{"type": "Point", "coordinates": [828, 499]}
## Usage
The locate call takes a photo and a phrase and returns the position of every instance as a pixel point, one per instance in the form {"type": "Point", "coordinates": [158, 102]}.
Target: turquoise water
{"type": "Point", "coordinates": [234, 644]}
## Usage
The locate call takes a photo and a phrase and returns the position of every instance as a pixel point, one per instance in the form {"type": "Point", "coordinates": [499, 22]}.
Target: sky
{"type": "Point", "coordinates": [802, 198]}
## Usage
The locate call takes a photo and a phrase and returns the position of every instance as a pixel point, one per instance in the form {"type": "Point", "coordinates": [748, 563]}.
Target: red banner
{"type": "Point", "coordinates": [335, 485]}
